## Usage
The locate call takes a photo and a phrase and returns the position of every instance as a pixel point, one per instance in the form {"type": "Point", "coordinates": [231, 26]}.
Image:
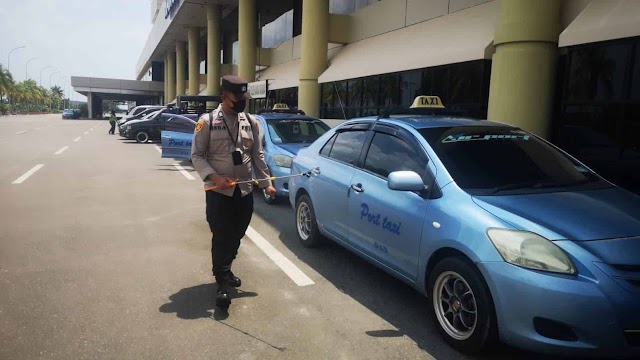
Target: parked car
{"type": "Point", "coordinates": [150, 127]}
{"type": "Point", "coordinates": [138, 112]}
{"type": "Point", "coordinates": [511, 237]}
{"type": "Point", "coordinates": [138, 115]}
{"type": "Point", "coordinates": [287, 131]}
{"type": "Point", "coordinates": [71, 114]}
{"type": "Point", "coordinates": [179, 117]}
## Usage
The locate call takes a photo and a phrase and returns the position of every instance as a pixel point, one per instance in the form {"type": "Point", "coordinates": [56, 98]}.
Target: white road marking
{"type": "Point", "coordinates": [279, 259]}
{"type": "Point", "coordinates": [77, 139]}
{"type": "Point", "coordinates": [159, 149]}
{"type": "Point", "coordinates": [61, 150]}
{"type": "Point", "coordinates": [24, 177]}
{"type": "Point", "coordinates": [184, 172]}
{"type": "Point", "coordinates": [37, 129]}
{"type": "Point", "coordinates": [20, 132]}
{"type": "Point", "coordinates": [86, 132]}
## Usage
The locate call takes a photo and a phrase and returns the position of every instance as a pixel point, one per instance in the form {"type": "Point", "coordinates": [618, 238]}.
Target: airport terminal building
{"type": "Point", "coordinates": [567, 70]}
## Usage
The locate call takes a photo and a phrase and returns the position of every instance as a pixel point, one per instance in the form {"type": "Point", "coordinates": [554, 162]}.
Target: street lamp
{"type": "Point", "coordinates": [26, 76]}
{"type": "Point", "coordinates": [41, 70]}
{"type": "Point", "coordinates": [50, 75]}
{"type": "Point", "coordinates": [9, 57]}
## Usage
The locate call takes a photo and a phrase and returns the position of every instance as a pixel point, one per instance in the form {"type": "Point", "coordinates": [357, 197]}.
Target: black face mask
{"type": "Point", "coordinates": [238, 106]}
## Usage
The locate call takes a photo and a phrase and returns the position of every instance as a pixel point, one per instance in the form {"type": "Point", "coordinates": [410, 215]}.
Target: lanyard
{"type": "Point", "coordinates": [235, 141]}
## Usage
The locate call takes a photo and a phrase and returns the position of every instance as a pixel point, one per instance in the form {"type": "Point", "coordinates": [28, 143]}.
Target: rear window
{"type": "Point", "coordinates": [488, 159]}
{"type": "Point", "coordinates": [286, 131]}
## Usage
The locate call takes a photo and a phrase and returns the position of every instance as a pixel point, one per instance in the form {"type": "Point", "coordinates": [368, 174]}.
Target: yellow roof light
{"type": "Point", "coordinates": [427, 102]}
{"type": "Point", "coordinates": [280, 106]}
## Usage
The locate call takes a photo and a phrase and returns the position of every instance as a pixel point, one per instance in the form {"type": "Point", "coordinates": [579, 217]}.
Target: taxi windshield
{"type": "Point", "coordinates": [491, 160]}
{"type": "Point", "coordinates": [287, 131]}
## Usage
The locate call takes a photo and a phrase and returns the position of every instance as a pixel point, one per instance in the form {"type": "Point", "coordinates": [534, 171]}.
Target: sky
{"type": "Point", "coordinates": [96, 38]}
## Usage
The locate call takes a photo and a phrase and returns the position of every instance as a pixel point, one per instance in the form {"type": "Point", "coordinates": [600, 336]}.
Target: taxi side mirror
{"type": "Point", "coordinates": [405, 181]}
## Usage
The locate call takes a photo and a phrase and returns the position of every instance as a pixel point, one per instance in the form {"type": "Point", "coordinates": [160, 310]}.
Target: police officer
{"type": "Point", "coordinates": [226, 145]}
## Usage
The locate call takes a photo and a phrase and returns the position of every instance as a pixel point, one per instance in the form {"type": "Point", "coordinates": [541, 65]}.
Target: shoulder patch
{"type": "Point", "coordinates": [199, 125]}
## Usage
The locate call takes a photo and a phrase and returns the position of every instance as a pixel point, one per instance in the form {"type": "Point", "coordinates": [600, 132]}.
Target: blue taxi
{"type": "Point", "coordinates": [287, 131]}
{"type": "Point", "coordinates": [511, 238]}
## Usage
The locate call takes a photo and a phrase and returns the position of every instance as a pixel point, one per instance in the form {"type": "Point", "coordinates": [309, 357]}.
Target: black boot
{"type": "Point", "coordinates": [233, 280]}
{"type": "Point", "coordinates": [223, 299]}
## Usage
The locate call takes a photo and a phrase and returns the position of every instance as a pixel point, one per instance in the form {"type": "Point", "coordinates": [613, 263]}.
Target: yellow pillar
{"type": "Point", "coordinates": [194, 60]}
{"type": "Point", "coordinates": [213, 51]}
{"type": "Point", "coordinates": [180, 70]}
{"type": "Point", "coordinates": [523, 71]}
{"type": "Point", "coordinates": [247, 25]}
{"type": "Point", "coordinates": [166, 78]}
{"type": "Point", "coordinates": [171, 76]}
{"type": "Point", "coordinates": [315, 38]}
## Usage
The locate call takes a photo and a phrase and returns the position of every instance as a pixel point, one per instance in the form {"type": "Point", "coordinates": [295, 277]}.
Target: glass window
{"type": "Point", "coordinates": [388, 153]}
{"type": "Point", "coordinates": [326, 149]}
{"type": "Point", "coordinates": [287, 131]}
{"type": "Point", "coordinates": [635, 80]}
{"type": "Point", "coordinates": [597, 72]}
{"type": "Point", "coordinates": [490, 160]}
{"type": "Point", "coordinates": [347, 146]}
{"type": "Point", "coordinates": [435, 81]}
{"type": "Point", "coordinates": [327, 95]}
{"type": "Point", "coordinates": [342, 7]}
{"type": "Point", "coordinates": [389, 90]}
{"type": "Point", "coordinates": [410, 87]}
{"type": "Point", "coordinates": [465, 82]}
{"type": "Point", "coordinates": [370, 89]}
{"type": "Point", "coordinates": [278, 31]}
{"type": "Point", "coordinates": [354, 98]}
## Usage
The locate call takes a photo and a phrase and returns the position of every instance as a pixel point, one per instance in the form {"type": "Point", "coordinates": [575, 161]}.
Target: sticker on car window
{"type": "Point", "coordinates": [465, 137]}
{"type": "Point", "coordinates": [295, 128]}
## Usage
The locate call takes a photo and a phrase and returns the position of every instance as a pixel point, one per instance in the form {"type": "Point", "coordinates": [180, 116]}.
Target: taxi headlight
{"type": "Point", "coordinates": [531, 251]}
{"type": "Point", "coordinates": [282, 160]}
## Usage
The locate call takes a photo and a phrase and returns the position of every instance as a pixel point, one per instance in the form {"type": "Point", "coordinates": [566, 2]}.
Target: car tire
{"type": "Point", "coordinates": [462, 306]}
{"type": "Point", "coordinates": [142, 137]}
{"type": "Point", "coordinates": [306, 224]}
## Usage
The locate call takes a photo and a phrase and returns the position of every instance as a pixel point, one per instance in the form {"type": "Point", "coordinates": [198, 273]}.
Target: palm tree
{"type": "Point", "coordinates": [6, 82]}
{"type": "Point", "coordinates": [57, 94]}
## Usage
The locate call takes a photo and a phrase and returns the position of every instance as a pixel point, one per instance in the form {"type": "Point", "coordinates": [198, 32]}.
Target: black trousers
{"type": "Point", "coordinates": [228, 218]}
{"type": "Point", "coordinates": [113, 128]}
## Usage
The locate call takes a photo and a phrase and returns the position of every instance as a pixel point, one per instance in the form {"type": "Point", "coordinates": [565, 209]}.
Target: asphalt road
{"type": "Point", "coordinates": [104, 253]}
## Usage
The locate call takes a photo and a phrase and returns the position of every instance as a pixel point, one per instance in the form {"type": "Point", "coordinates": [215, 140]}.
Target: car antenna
{"type": "Point", "coordinates": [335, 88]}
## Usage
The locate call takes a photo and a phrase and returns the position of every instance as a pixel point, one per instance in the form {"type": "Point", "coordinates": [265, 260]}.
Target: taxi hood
{"type": "Point", "coordinates": [578, 215]}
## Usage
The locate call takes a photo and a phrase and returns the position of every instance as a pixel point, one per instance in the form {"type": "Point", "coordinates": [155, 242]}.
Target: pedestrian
{"type": "Point", "coordinates": [112, 122]}
{"type": "Point", "coordinates": [226, 146]}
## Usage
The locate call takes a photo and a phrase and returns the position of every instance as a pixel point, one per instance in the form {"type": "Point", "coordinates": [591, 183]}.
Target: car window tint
{"type": "Point", "coordinates": [347, 146]}
{"type": "Point", "coordinates": [326, 149]}
{"type": "Point", "coordinates": [388, 153]}
{"type": "Point", "coordinates": [488, 157]}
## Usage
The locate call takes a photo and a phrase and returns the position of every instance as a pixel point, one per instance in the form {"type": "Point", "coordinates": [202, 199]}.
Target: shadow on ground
{"type": "Point", "coordinates": [199, 302]}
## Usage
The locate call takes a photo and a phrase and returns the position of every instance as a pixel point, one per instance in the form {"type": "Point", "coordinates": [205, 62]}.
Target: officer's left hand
{"type": "Point", "coordinates": [271, 191]}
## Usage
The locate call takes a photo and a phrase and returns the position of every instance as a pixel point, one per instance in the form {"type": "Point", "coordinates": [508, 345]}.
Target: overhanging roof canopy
{"type": "Point", "coordinates": [461, 36]}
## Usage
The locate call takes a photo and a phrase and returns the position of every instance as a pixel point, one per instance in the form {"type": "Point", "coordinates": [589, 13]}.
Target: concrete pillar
{"type": "Point", "coordinates": [171, 76]}
{"type": "Point", "coordinates": [194, 60]}
{"type": "Point", "coordinates": [90, 105]}
{"type": "Point", "coordinates": [523, 71]}
{"type": "Point", "coordinates": [315, 38]}
{"type": "Point", "coordinates": [247, 25]}
{"type": "Point", "coordinates": [213, 51]}
{"type": "Point", "coordinates": [166, 79]}
{"type": "Point", "coordinates": [180, 73]}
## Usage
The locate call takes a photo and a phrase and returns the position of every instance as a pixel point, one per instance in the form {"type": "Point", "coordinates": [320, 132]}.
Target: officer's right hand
{"type": "Point", "coordinates": [222, 182]}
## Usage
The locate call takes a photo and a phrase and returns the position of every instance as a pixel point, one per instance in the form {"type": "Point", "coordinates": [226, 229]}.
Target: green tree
{"type": "Point", "coordinates": [6, 82]}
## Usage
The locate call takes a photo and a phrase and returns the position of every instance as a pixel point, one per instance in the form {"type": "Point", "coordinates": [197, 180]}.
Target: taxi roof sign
{"type": "Point", "coordinates": [427, 102]}
{"type": "Point", "coordinates": [280, 106]}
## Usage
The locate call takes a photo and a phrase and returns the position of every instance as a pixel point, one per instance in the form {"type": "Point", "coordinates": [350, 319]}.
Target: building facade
{"type": "Point", "coordinates": [566, 70]}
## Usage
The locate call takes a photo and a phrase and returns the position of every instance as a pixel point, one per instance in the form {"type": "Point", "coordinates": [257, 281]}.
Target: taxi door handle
{"type": "Point", "coordinates": [357, 187]}
{"type": "Point", "coordinates": [316, 171]}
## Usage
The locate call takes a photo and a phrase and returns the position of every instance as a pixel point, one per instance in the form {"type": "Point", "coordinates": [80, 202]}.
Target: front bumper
{"type": "Point", "coordinates": [584, 315]}
{"type": "Point", "coordinates": [281, 185]}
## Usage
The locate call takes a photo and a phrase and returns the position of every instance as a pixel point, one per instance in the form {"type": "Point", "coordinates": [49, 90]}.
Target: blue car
{"type": "Point", "coordinates": [511, 238]}
{"type": "Point", "coordinates": [287, 131]}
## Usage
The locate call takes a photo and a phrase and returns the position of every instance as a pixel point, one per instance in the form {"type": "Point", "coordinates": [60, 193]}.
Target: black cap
{"type": "Point", "coordinates": [236, 85]}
